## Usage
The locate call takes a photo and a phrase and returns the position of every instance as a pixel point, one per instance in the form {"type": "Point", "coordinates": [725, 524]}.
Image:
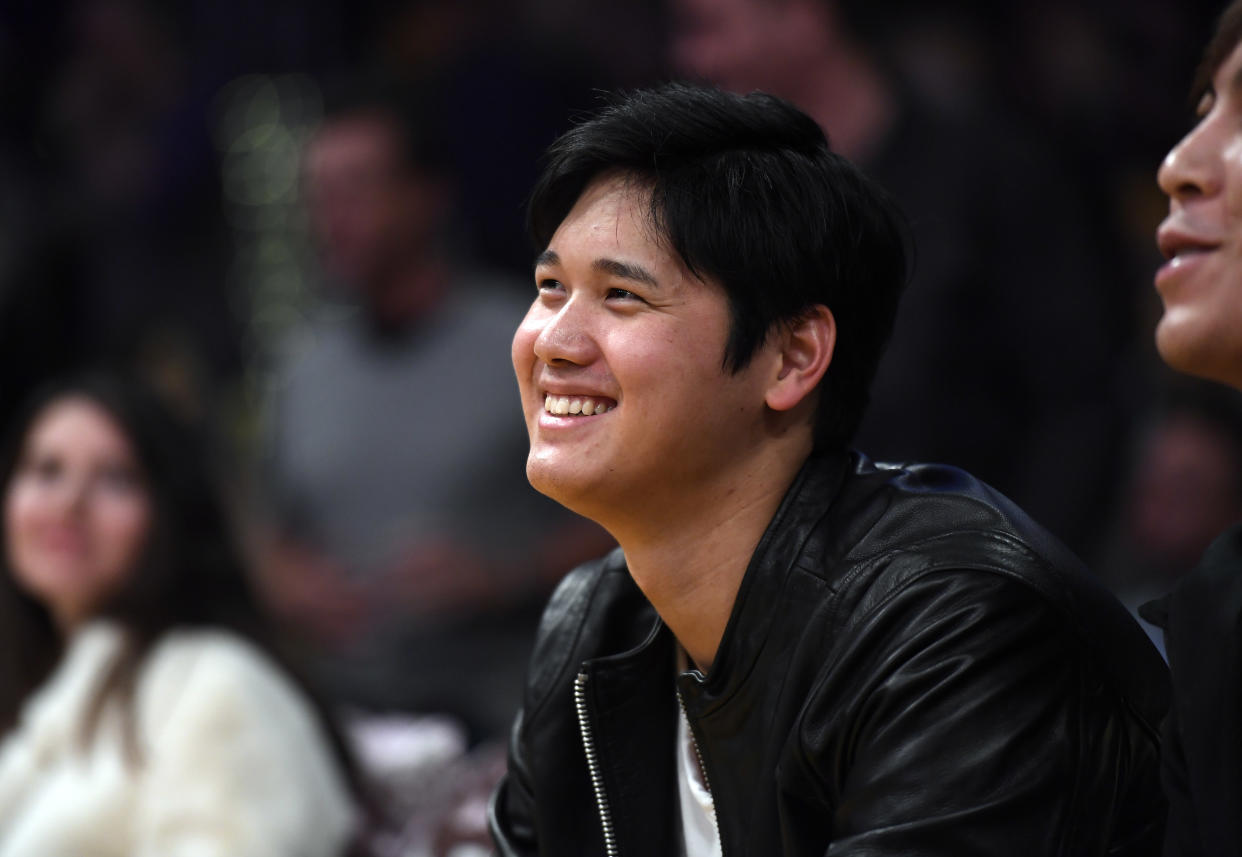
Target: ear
{"type": "Point", "coordinates": [806, 348]}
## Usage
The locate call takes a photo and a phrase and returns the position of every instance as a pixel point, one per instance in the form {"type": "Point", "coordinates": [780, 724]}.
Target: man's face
{"type": "Point", "coordinates": [633, 344]}
{"type": "Point", "coordinates": [367, 209]}
{"type": "Point", "coordinates": [1201, 284]}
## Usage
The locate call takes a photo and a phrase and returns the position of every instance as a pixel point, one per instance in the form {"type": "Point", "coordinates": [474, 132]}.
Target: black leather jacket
{"type": "Point", "coordinates": [1202, 621]}
{"type": "Point", "coordinates": [912, 667]}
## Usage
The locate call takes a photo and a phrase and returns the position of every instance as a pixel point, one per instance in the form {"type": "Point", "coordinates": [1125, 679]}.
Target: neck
{"type": "Point", "coordinates": [689, 561]}
{"type": "Point", "coordinates": [407, 294]}
{"type": "Point", "coordinates": [68, 618]}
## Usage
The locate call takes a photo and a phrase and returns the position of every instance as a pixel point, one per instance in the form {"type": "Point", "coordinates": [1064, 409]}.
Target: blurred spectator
{"type": "Point", "coordinates": [139, 713]}
{"type": "Point", "coordinates": [1185, 487]}
{"type": "Point", "coordinates": [1002, 359]}
{"type": "Point", "coordinates": [514, 72]}
{"type": "Point", "coordinates": [407, 553]}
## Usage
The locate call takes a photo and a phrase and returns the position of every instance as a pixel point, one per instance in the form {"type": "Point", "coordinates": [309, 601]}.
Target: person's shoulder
{"type": "Point", "coordinates": [910, 520]}
{"type": "Point", "coordinates": [926, 529]}
{"type": "Point", "coordinates": [950, 516]}
{"type": "Point", "coordinates": [1204, 610]}
{"type": "Point", "coordinates": [594, 609]}
{"type": "Point", "coordinates": [209, 648]}
{"type": "Point", "coordinates": [213, 707]}
{"type": "Point", "coordinates": [217, 669]}
{"type": "Point", "coordinates": [582, 592]}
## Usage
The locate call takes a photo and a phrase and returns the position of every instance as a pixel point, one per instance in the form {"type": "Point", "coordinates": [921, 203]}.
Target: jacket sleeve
{"type": "Point", "coordinates": [511, 813]}
{"type": "Point", "coordinates": [234, 762]}
{"type": "Point", "coordinates": [978, 724]}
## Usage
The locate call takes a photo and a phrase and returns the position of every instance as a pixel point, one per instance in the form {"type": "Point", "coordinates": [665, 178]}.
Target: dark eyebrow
{"type": "Point", "coordinates": [547, 257]}
{"type": "Point", "coordinates": [626, 271]}
{"type": "Point", "coordinates": [1233, 88]}
{"type": "Point", "coordinates": [612, 267]}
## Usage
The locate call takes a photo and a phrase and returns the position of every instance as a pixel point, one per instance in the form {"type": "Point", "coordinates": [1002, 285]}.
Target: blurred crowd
{"type": "Point", "coordinates": [302, 224]}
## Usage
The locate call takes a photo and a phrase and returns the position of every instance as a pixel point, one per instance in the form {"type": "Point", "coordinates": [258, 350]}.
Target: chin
{"type": "Point", "coordinates": [1200, 356]}
{"type": "Point", "coordinates": [573, 490]}
{"type": "Point", "coordinates": [550, 480]}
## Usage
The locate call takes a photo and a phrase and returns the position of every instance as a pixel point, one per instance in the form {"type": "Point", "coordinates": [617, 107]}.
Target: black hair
{"type": "Point", "coordinates": [190, 573]}
{"type": "Point", "coordinates": [1226, 37]}
{"type": "Point", "coordinates": [747, 192]}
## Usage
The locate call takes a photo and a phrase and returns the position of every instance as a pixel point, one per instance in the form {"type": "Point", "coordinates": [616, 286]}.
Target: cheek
{"type": "Point", "coordinates": [1231, 159]}
{"type": "Point", "coordinates": [523, 348]}
{"type": "Point", "coordinates": [121, 526]}
{"type": "Point", "coordinates": [23, 511]}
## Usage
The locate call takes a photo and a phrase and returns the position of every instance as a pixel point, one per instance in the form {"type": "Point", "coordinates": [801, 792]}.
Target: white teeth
{"type": "Point", "coordinates": [584, 405]}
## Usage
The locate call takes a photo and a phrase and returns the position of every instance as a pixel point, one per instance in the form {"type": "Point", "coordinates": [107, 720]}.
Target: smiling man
{"type": "Point", "coordinates": [795, 651]}
{"type": "Point", "coordinates": [1201, 333]}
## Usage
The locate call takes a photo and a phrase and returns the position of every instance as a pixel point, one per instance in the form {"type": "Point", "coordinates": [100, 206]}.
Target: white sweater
{"type": "Point", "coordinates": [233, 760]}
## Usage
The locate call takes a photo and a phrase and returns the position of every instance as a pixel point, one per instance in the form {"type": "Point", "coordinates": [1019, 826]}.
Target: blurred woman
{"type": "Point", "coordinates": [138, 713]}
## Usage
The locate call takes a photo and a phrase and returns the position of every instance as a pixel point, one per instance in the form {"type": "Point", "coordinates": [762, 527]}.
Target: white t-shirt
{"type": "Point", "coordinates": [700, 836]}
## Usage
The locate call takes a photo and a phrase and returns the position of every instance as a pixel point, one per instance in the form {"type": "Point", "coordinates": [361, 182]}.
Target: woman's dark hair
{"type": "Point", "coordinates": [190, 573]}
{"type": "Point", "coordinates": [1225, 38]}
{"type": "Point", "coordinates": [746, 191]}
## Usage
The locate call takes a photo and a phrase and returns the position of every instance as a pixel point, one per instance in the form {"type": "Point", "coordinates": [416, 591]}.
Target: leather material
{"type": "Point", "coordinates": [1202, 621]}
{"type": "Point", "coordinates": [912, 667]}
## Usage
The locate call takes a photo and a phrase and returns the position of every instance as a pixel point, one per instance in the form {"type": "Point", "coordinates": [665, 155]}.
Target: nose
{"type": "Point", "coordinates": [69, 494]}
{"type": "Point", "coordinates": [1193, 167]}
{"type": "Point", "coordinates": [565, 337]}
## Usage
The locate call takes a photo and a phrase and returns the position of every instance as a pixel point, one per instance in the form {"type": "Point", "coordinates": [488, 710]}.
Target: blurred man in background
{"type": "Point", "coordinates": [406, 545]}
{"type": "Point", "coordinates": [1184, 487]}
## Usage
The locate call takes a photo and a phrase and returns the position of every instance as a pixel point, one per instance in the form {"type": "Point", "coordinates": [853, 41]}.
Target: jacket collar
{"type": "Point", "coordinates": [754, 614]}
{"type": "Point", "coordinates": [806, 501]}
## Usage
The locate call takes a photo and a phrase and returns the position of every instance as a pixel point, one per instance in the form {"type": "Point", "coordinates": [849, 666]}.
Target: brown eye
{"type": "Point", "coordinates": [45, 468]}
{"type": "Point", "coordinates": [119, 479]}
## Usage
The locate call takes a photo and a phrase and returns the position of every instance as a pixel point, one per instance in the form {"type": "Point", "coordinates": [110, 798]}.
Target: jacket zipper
{"type": "Point", "coordinates": [597, 779]}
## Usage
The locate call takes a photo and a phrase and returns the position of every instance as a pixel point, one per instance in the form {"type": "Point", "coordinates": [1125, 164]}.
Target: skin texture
{"type": "Point", "coordinates": [76, 512]}
{"type": "Point", "coordinates": [1201, 283]}
{"type": "Point", "coordinates": [653, 348]}
{"type": "Point", "coordinates": [688, 467]}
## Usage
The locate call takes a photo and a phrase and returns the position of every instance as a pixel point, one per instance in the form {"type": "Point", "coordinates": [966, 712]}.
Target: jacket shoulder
{"type": "Point", "coordinates": [587, 610]}
{"type": "Point", "coordinates": [915, 521]}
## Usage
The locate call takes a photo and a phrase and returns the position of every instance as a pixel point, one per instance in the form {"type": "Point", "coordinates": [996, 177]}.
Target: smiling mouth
{"type": "Point", "coordinates": [584, 406]}
{"type": "Point", "coordinates": [1188, 250]}
{"type": "Point", "coordinates": [1174, 245]}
